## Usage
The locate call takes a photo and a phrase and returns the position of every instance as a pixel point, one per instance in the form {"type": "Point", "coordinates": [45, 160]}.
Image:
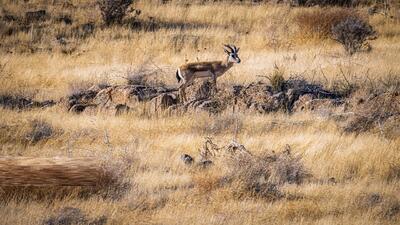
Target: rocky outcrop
{"type": "Point", "coordinates": [118, 99]}
{"type": "Point", "coordinates": [19, 102]}
{"type": "Point", "coordinates": [298, 95]}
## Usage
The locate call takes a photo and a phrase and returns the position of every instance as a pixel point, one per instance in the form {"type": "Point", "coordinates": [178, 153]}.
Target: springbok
{"type": "Point", "coordinates": [187, 73]}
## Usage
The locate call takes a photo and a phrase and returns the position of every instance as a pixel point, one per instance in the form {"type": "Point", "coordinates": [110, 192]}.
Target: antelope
{"type": "Point", "coordinates": [187, 73]}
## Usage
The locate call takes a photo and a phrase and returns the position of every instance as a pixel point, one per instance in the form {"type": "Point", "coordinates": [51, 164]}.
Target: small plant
{"type": "Point", "coordinates": [353, 33]}
{"type": "Point", "coordinates": [41, 130]}
{"type": "Point", "coordinates": [113, 11]}
{"type": "Point", "coordinates": [277, 80]}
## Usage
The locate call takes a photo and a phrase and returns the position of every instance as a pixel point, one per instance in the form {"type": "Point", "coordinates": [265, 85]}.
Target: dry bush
{"type": "Point", "coordinates": [145, 75]}
{"type": "Point", "coordinates": [383, 206]}
{"type": "Point", "coordinates": [41, 130]}
{"type": "Point", "coordinates": [113, 11]}
{"type": "Point", "coordinates": [317, 22]}
{"type": "Point", "coordinates": [277, 79]}
{"type": "Point", "coordinates": [262, 176]}
{"type": "Point", "coordinates": [257, 176]}
{"type": "Point", "coordinates": [373, 111]}
{"type": "Point", "coordinates": [353, 33]}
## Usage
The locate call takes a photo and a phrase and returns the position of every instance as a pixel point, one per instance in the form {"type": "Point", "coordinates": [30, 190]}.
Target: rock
{"type": "Point", "coordinates": [270, 103]}
{"type": "Point", "coordinates": [208, 105]}
{"type": "Point", "coordinates": [84, 97]}
{"type": "Point", "coordinates": [205, 164]}
{"type": "Point", "coordinates": [117, 99]}
{"type": "Point", "coordinates": [302, 102]}
{"type": "Point", "coordinates": [211, 106]}
{"type": "Point", "coordinates": [187, 159]}
{"type": "Point", "coordinates": [309, 103]}
{"type": "Point", "coordinates": [163, 101]}
{"type": "Point", "coordinates": [78, 108]}
{"type": "Point", "coordinates": [121, 109]}
{"type": "Point", "coordinates": [14, 102]}
{"type": "Point", "coordinates": [117, 95]}
{"type": "Point", "coordinates": [128, 94]}
{"type": "Point", "coordinates": [332, 180]}
{"type": "Point", "coordinates": [86, 29]}
{"type": "Point", "coordinates": [19, 102]}
{"type": "Point", "coordinates": [90, 109]}
{"type": "Point", "coordinates": [199, 90]}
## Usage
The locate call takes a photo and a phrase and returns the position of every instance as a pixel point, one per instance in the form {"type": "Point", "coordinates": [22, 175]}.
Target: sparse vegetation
{"type": "Point", "coordinates": [316, 143]}
{"type": "Point", "coordinates": [277, 80]}
{"type": "Point", "coordinates": [352, 33]}
{"type": "Point", "coordinates": [113, 11]}
{"type": "Point", "coordinates": [319, 22]}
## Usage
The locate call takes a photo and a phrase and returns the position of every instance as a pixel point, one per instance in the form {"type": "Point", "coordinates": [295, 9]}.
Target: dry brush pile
{"type": "Point", "coordinates": [246, 174]}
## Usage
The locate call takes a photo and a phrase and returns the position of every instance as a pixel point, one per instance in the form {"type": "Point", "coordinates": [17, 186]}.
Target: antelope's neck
{"type": "Point", "coordinates": [227, 64]}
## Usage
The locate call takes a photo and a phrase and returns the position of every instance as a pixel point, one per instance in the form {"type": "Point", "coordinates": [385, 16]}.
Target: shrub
{"type": "Point", "coordinates": [353, 33]}
{"type": "Point", "coordinates": [374, 112]}
{"type": "Point", "coordinates": [277, 80]}
{"type": "Point", "coordinates": [318, 22]}
{"type": "Point", "coordinates": [113, 11]}
{"type": "Point", "coordinates": [41, 130]}
{"type": "Point", "coordinates": [251, 175]}
{"type": "Point", "coordinates": [145, 75]}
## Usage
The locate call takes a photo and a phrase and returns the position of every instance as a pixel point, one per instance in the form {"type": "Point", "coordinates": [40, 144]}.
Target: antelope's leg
{"type": "Point", "coordinates": [181, 97]}
{"type": "Point", "coordinates": [182, 92]}
{"type": "Point", "coordinates": [184, 99]}
{"type": "Point", "coordinates": [214, 78]}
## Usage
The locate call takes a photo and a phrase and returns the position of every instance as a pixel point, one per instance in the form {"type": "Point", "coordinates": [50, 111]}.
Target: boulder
{"type": "Point", "coordinates": [187, 159]}
{"type": "Point", "coordinates": [163, 102]}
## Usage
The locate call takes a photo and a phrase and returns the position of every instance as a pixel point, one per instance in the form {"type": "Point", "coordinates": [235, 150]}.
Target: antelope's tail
{"type": "Point", "coordinates": [178, 77]}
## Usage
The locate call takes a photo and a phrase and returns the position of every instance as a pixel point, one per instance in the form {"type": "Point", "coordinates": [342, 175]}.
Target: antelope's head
{"type": "Point", "coordinates": [232, 52]}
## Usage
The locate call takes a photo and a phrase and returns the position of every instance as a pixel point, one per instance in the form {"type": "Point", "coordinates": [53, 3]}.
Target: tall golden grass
{"type": "Point", "coordinates": [355, 177]}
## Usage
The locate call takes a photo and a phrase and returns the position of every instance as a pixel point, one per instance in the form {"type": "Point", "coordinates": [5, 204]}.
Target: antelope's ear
{"type": "Point", "coordinates": [237, 50]}
{"type": "Point", "coordinates": [226, 51]}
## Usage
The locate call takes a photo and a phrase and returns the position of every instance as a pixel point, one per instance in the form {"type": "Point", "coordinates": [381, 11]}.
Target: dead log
{"type": "Point", "coordinates": [28, 171]}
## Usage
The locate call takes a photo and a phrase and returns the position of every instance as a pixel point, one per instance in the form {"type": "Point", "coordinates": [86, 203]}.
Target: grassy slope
{"type": "Point", "coordinates": [362, 165]}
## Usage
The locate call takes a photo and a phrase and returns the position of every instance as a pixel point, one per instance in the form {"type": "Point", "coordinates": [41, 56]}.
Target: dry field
{"type": "Point", "coordinates": [304, 167]}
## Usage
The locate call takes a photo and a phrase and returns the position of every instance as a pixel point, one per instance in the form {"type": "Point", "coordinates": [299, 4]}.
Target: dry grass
{"type": "Point", "coordinates": [354, 177]}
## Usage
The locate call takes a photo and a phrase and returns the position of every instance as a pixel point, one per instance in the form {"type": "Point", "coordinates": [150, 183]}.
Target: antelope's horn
{"type": "Point", "coordinates": [236, 49]}
{"type": "Point", "coordinates": [229, 47]}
